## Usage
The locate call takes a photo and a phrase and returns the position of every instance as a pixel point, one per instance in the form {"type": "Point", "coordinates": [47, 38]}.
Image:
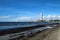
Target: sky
{"type": "Point", "coordinates": [28, 10]}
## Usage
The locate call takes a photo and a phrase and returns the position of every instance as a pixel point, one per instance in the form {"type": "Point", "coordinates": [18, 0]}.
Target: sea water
{"type": "Point", "coordinates": [10, 25]}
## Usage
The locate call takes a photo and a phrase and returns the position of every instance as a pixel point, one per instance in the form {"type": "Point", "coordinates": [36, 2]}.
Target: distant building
{"type": "Point", "coordinates": [41, 18]}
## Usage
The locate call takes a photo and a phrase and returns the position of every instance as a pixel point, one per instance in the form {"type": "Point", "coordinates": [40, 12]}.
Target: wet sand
{"type": "Point", "coordinates": [49, 34]}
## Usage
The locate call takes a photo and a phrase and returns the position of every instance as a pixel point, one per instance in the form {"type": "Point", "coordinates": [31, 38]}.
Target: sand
{"type": "Point", "coordinates": [49, 34]}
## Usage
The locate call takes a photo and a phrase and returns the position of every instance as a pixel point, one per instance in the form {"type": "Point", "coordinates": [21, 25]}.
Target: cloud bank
{"type": "Point", "coordinates": [5, 16]}
{"type": "Point", "coordinates": [26, 18]}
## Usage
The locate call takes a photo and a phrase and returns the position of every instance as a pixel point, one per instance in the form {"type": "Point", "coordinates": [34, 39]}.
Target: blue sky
{"type": "Point", "coordinates": [21, 10]}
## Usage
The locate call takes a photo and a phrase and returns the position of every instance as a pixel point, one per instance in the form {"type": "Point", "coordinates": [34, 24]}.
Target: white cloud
{"type": "Point", "coordinates": [49, 16]}
{"type": "Point", "coordinates": [25, 19]}
{"type": "Point", "coordinates": [59, 16]}
{"type": "Point", "coordinates": [52, 17]}
{"type": "Point", "coordinates": [5, 16]}
{"type": "Point", "coordinates": [43, 16]}
{"type": "Point", "coordinates": [10, 18]}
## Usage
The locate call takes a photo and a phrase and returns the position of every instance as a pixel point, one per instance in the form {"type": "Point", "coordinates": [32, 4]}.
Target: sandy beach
{"type": "Point", "coordinates": [49, 34]}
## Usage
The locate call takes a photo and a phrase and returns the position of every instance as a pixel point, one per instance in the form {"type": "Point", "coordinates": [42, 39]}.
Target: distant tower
{"type": "Point", "coordinates": [41, 16]}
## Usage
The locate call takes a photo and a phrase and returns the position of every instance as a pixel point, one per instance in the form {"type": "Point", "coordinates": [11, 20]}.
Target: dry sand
{"type": "Point", "coordinates": [50, 34]}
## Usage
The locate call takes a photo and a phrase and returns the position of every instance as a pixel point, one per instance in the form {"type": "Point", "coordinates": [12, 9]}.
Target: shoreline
{"type": "Point", "coordinates": [46, 34]}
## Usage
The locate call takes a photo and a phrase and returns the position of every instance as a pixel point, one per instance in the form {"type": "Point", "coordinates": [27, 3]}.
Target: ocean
{"type": "Point", "coordinates": [10, 25]}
